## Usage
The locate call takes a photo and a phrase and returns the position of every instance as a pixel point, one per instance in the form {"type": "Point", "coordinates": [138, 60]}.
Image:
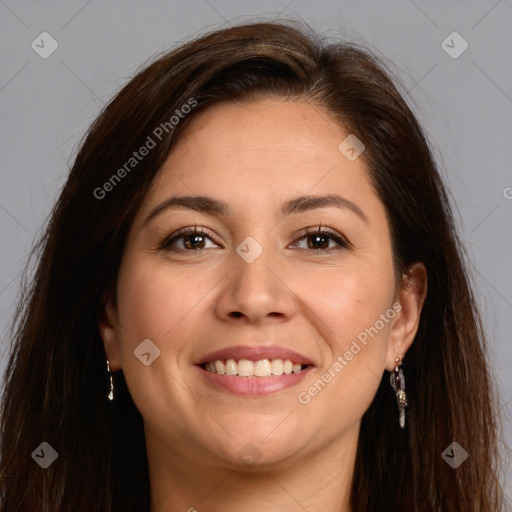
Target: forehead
{"type": "Point", "coordinates": [251, 153]}
{"type": "Point", "coordinates": [263, 126]}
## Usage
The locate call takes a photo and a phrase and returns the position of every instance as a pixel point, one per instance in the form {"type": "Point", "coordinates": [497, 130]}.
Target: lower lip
{"type": "Point", "coordinates": [250, 386]}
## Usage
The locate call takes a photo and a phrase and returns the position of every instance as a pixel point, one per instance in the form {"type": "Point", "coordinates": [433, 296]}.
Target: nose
{"type": "Point", "coordinates": [256, 290]}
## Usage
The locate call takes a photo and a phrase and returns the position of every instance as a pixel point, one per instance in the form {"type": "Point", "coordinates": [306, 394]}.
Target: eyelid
{"type": "Point", "coordinates": [341, 240]}
{"type": "Point", "coordinates": [168, 240]}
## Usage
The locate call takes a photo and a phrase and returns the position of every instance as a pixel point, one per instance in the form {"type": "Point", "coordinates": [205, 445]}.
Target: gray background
{"type": "Point", "coordinates": [465, 105]}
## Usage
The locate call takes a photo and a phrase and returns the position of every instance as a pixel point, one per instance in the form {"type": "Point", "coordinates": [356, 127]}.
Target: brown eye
{"type": "Point", "coordinates": [188, 239]}
{"type": "Point", "coordinates": [322, 239]}
{"type": "Point", "coordinates": [318, 241]}
{"type": "Point", "coordinates": [194, 241]}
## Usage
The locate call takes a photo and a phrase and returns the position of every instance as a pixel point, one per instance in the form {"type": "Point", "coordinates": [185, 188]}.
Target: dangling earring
{"type": "Point", "coordinates": [398, 384]}
{"type": "Point", "coordinates": [110, 396]}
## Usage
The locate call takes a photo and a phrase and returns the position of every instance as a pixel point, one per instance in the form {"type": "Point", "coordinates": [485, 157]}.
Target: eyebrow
{"type": "Point", "coordinates": [209, 205]}
{"type": "Point", "coordinates": [304, 203]}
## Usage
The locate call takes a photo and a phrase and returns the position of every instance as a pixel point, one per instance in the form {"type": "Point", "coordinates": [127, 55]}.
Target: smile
{"type": "Point", "coordinates": [251, 370]}
{"type": "Point", "coordinates": [248, 368]}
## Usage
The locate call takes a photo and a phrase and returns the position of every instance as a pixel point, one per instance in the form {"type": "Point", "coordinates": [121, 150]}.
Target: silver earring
{"type": "Point", "coordinates": [110, 396]}
{"type": "Point", "coordinates": [398, 384]}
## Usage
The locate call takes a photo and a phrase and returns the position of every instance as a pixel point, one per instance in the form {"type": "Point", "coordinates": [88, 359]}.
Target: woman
{"type": "Point", "coordinates": [250, 296]}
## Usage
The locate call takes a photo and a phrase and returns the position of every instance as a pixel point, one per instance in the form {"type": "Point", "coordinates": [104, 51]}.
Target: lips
{"type": "Point", "coordinates": [253, 370]}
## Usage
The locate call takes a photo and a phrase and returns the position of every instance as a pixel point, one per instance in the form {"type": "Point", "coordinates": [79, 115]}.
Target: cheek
{"type": "Point", "coordinates": [359, 320]}
{"type": "Point", "coordinates": [354, 314]}
{"type": "Point", "coordinates": [153, 300]}
{"type": "Point", "coordinates": [159, 304]}
{"type": "Point", "coordinates": [347, 300]}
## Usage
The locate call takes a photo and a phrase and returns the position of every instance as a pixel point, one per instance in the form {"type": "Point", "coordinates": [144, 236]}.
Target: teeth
{"type": "Point", "coordinates": [277, 366]}
{"type": "Point", "coordinates": [262, 368]}
{"type": "Point", "coordinates": [220, 367]}
{"type": "Point", "coordinates": [231, 367]}
{"type": "Point", "coordinates": [247, 368]}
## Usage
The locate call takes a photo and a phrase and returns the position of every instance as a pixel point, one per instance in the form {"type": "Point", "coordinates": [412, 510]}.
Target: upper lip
{"type": "Point", "coordinates": [255, 353]}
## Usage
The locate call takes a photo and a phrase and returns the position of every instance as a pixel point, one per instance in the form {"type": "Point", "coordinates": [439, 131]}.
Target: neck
{"type": "Point", "coordinates": [319, 482]}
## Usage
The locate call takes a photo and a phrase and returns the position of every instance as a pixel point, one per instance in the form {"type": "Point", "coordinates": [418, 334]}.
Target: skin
{"type": "Point", "coordinates": [255, 156]}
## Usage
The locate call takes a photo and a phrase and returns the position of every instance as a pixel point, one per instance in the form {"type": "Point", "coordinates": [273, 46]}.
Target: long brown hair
{"type": "Point", "coordinates": [56, 380]}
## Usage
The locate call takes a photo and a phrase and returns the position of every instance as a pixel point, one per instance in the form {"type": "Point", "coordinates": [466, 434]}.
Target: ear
{"type": "Point", "coordinates": [411, 297]}
{"type": "Point", "coordinates": [107, 324]}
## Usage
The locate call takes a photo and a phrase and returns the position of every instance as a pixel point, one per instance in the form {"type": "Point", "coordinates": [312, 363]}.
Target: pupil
{"type": "Point", "coordinates": [318, 238]}
{"type": "Point", "coordinates": [192, 240]}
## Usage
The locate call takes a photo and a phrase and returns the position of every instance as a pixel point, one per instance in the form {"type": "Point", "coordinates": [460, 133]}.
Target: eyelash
{"type": "Point", "coordinates": [166, 242]}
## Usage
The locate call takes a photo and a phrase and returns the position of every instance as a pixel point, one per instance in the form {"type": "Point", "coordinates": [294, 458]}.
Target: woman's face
{"type": "Point", "coordinates": [247, 281]}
